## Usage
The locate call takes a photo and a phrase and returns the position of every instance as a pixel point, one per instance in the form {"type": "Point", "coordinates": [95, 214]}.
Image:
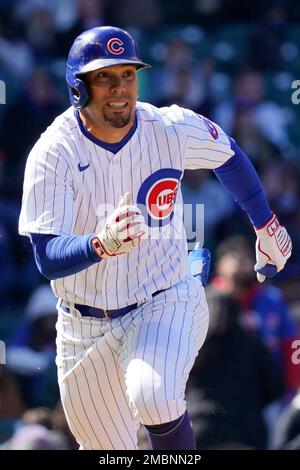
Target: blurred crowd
{"type": "Point", "coordinates": [233, 62]}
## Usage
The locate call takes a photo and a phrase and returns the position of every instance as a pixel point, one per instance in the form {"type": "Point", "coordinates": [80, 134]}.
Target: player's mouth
{"type": "Point", "coordinates": [117, 105]}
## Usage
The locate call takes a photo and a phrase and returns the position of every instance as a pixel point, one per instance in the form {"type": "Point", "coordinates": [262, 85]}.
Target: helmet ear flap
{"type": "Point", "coordinates": [79, 94]}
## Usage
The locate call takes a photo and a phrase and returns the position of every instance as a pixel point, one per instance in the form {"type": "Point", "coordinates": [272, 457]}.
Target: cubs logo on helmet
{"type": "Point", "coordinates": [157, 195]}
{"type": "Point", "coordinates": [114, 46]}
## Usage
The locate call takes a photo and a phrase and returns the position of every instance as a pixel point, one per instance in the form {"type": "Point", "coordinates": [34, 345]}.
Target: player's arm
{"type": "Point", "coordinates": [60, 256]}
{"type": "Point", "coordinates": [273, 245]}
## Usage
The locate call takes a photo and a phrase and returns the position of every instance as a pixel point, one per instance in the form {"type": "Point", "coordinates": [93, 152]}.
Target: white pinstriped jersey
{"type": "Point", "coordinates": [69, 178]}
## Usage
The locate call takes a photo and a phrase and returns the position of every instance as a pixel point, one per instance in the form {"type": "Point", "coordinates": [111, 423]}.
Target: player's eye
{"type": "Point", "coordinates": [129, 74]}
{"type": "Point", "coordinates": [103, 76]}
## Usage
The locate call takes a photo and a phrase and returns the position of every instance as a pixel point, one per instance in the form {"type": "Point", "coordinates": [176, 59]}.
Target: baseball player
{"type": "Point", "coordinates": [102, 207]}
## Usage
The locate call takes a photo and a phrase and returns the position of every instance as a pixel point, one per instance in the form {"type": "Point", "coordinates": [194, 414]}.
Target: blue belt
{"type": "Point", "coordinates": [87, 311]}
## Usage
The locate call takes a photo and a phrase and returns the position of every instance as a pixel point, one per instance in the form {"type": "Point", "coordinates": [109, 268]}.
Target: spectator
{"type": "Point", "coordinates": [188, 91]}
{"type": "Point", "coordinates": [40, 415]}
{"type": "Point", "coordinates": [91, 13]}
{"type": "Point", "coordinates": [267, 38]}
{"type": "Point", "coordinates": [268, 117]}
{"type": "Point", "coordinates": [16, 57]}
{"type": "Point", "coordinates": [233, 379]}
{"type": "Point", "coordinates": [144, 14]}
{"type": "Point", "coordinates": [39, 29]}
{"type": "Point", "coordinates": [35, 437]}
{"type": "Point", "coordinates": [7, 268]}
{"type": "Point", "coordinates": [254, 143]}
{"type": "Point", "coordinates": [31, 114]}
{"type": "Point", "coordinates": [59, 423]}
{"type": "Point", "coordinates": [262, 307]}
{"type": "Point", "coordinates": [282, 184]}
{"type": "Point", "coordinates": [11, 402]}
{"type": "Point", "coordinates": [179, 67]}
{"type": "Point", "coordinates": [290, 286]}
{"type": "Point", "coordinates": [31, 350]}
{"type": "Point", "coordinates": [288, 426]}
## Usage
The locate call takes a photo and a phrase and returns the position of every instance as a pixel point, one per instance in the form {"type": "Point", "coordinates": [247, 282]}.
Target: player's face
{"type": "Point", "coordinates": [114, 92]}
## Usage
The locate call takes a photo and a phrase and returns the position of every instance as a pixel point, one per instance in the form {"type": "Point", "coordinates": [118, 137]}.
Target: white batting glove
{"type": "Point", "coordinates": [122, 231]}
{"type": "Point", "coordinates": [273, 249]}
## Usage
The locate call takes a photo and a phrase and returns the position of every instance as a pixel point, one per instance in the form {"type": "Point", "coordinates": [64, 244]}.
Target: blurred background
{"type": "Point", "coordinates": [234, 62]}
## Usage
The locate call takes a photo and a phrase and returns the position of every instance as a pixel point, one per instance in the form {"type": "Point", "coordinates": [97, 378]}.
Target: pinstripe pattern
{"type": "Point", "coordinates": [59, 199]}
{"type": "Point", "coordinates": [113, 375]}
{"type": "Point", "coordinates": [92, 388]}
{"type": "Point", "coordinates": [160, 351]}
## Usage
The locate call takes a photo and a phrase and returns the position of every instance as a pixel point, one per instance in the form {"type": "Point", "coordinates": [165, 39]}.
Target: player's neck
{"type": "Point", "coordinates": [105, 131]}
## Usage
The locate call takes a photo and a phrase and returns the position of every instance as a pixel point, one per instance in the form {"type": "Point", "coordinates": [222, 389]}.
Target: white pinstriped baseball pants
{"type": "Point", "coordinates": [115, 374]}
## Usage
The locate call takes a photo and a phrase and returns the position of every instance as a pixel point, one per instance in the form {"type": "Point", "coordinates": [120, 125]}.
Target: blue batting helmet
{"type": "Point", "coordinates": [94, 49]}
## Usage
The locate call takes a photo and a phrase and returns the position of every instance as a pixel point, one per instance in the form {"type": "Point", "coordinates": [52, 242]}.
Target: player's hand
{"type": "Point", "coordinates": [122, 231]}
{"type": "Point", "coordinates": [273, 249]}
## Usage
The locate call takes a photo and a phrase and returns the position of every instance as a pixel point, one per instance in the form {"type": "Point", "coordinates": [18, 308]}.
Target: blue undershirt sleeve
{"type": "Point", "coordinates": [60, 256]}
{"type": "Point", "coordinates": [240, 179]}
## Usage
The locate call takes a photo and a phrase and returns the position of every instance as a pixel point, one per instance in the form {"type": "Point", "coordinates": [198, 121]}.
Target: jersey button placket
{"type": "Point", "coordinates": [111, 201]}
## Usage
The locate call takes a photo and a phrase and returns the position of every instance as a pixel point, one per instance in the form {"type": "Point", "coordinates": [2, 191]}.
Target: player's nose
{"type": "Point", "coordinates": [118, 85]}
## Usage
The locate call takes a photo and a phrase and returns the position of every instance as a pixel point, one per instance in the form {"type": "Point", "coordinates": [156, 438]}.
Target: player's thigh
{"type": "Point", "coordinates": [93, 391]}
{"type": "Point", "coordinates": [161, 351]}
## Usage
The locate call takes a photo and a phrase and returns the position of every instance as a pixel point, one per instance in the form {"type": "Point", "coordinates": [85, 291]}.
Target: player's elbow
{"type": "Point", "coordinates": [45, 268]}
{"type": "Point", "coordinates": [51, 276]}
{"type": "Point", "coordinates": [45, 265]}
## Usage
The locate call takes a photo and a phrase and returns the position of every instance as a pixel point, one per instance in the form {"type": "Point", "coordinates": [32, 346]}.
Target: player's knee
{"type": "Point", "coordinates": [149, 398]}
{"type": "Point", "coordinates": [159, 409]}
{"type": "Point", "coordinates": [164, 411]}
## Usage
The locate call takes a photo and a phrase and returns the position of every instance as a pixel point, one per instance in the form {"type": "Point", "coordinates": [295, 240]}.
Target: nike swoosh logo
{"type": "Point", "coordinates": [82, 167]}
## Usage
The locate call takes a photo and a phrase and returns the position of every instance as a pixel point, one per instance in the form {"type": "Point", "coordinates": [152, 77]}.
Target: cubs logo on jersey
{"type": "Point", "coordinates": [157, 195]}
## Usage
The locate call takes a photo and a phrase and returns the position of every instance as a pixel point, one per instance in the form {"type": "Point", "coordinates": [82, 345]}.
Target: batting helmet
{"type": "Point", "coordinates": [94, 49]}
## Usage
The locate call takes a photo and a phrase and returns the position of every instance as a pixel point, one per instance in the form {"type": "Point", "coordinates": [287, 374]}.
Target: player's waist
{"type": "Point", "coordinates": [88, 311]}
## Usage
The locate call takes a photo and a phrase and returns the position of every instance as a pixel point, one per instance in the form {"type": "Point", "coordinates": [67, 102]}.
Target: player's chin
{"type": "Point", "coordinates": [118, 118]}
